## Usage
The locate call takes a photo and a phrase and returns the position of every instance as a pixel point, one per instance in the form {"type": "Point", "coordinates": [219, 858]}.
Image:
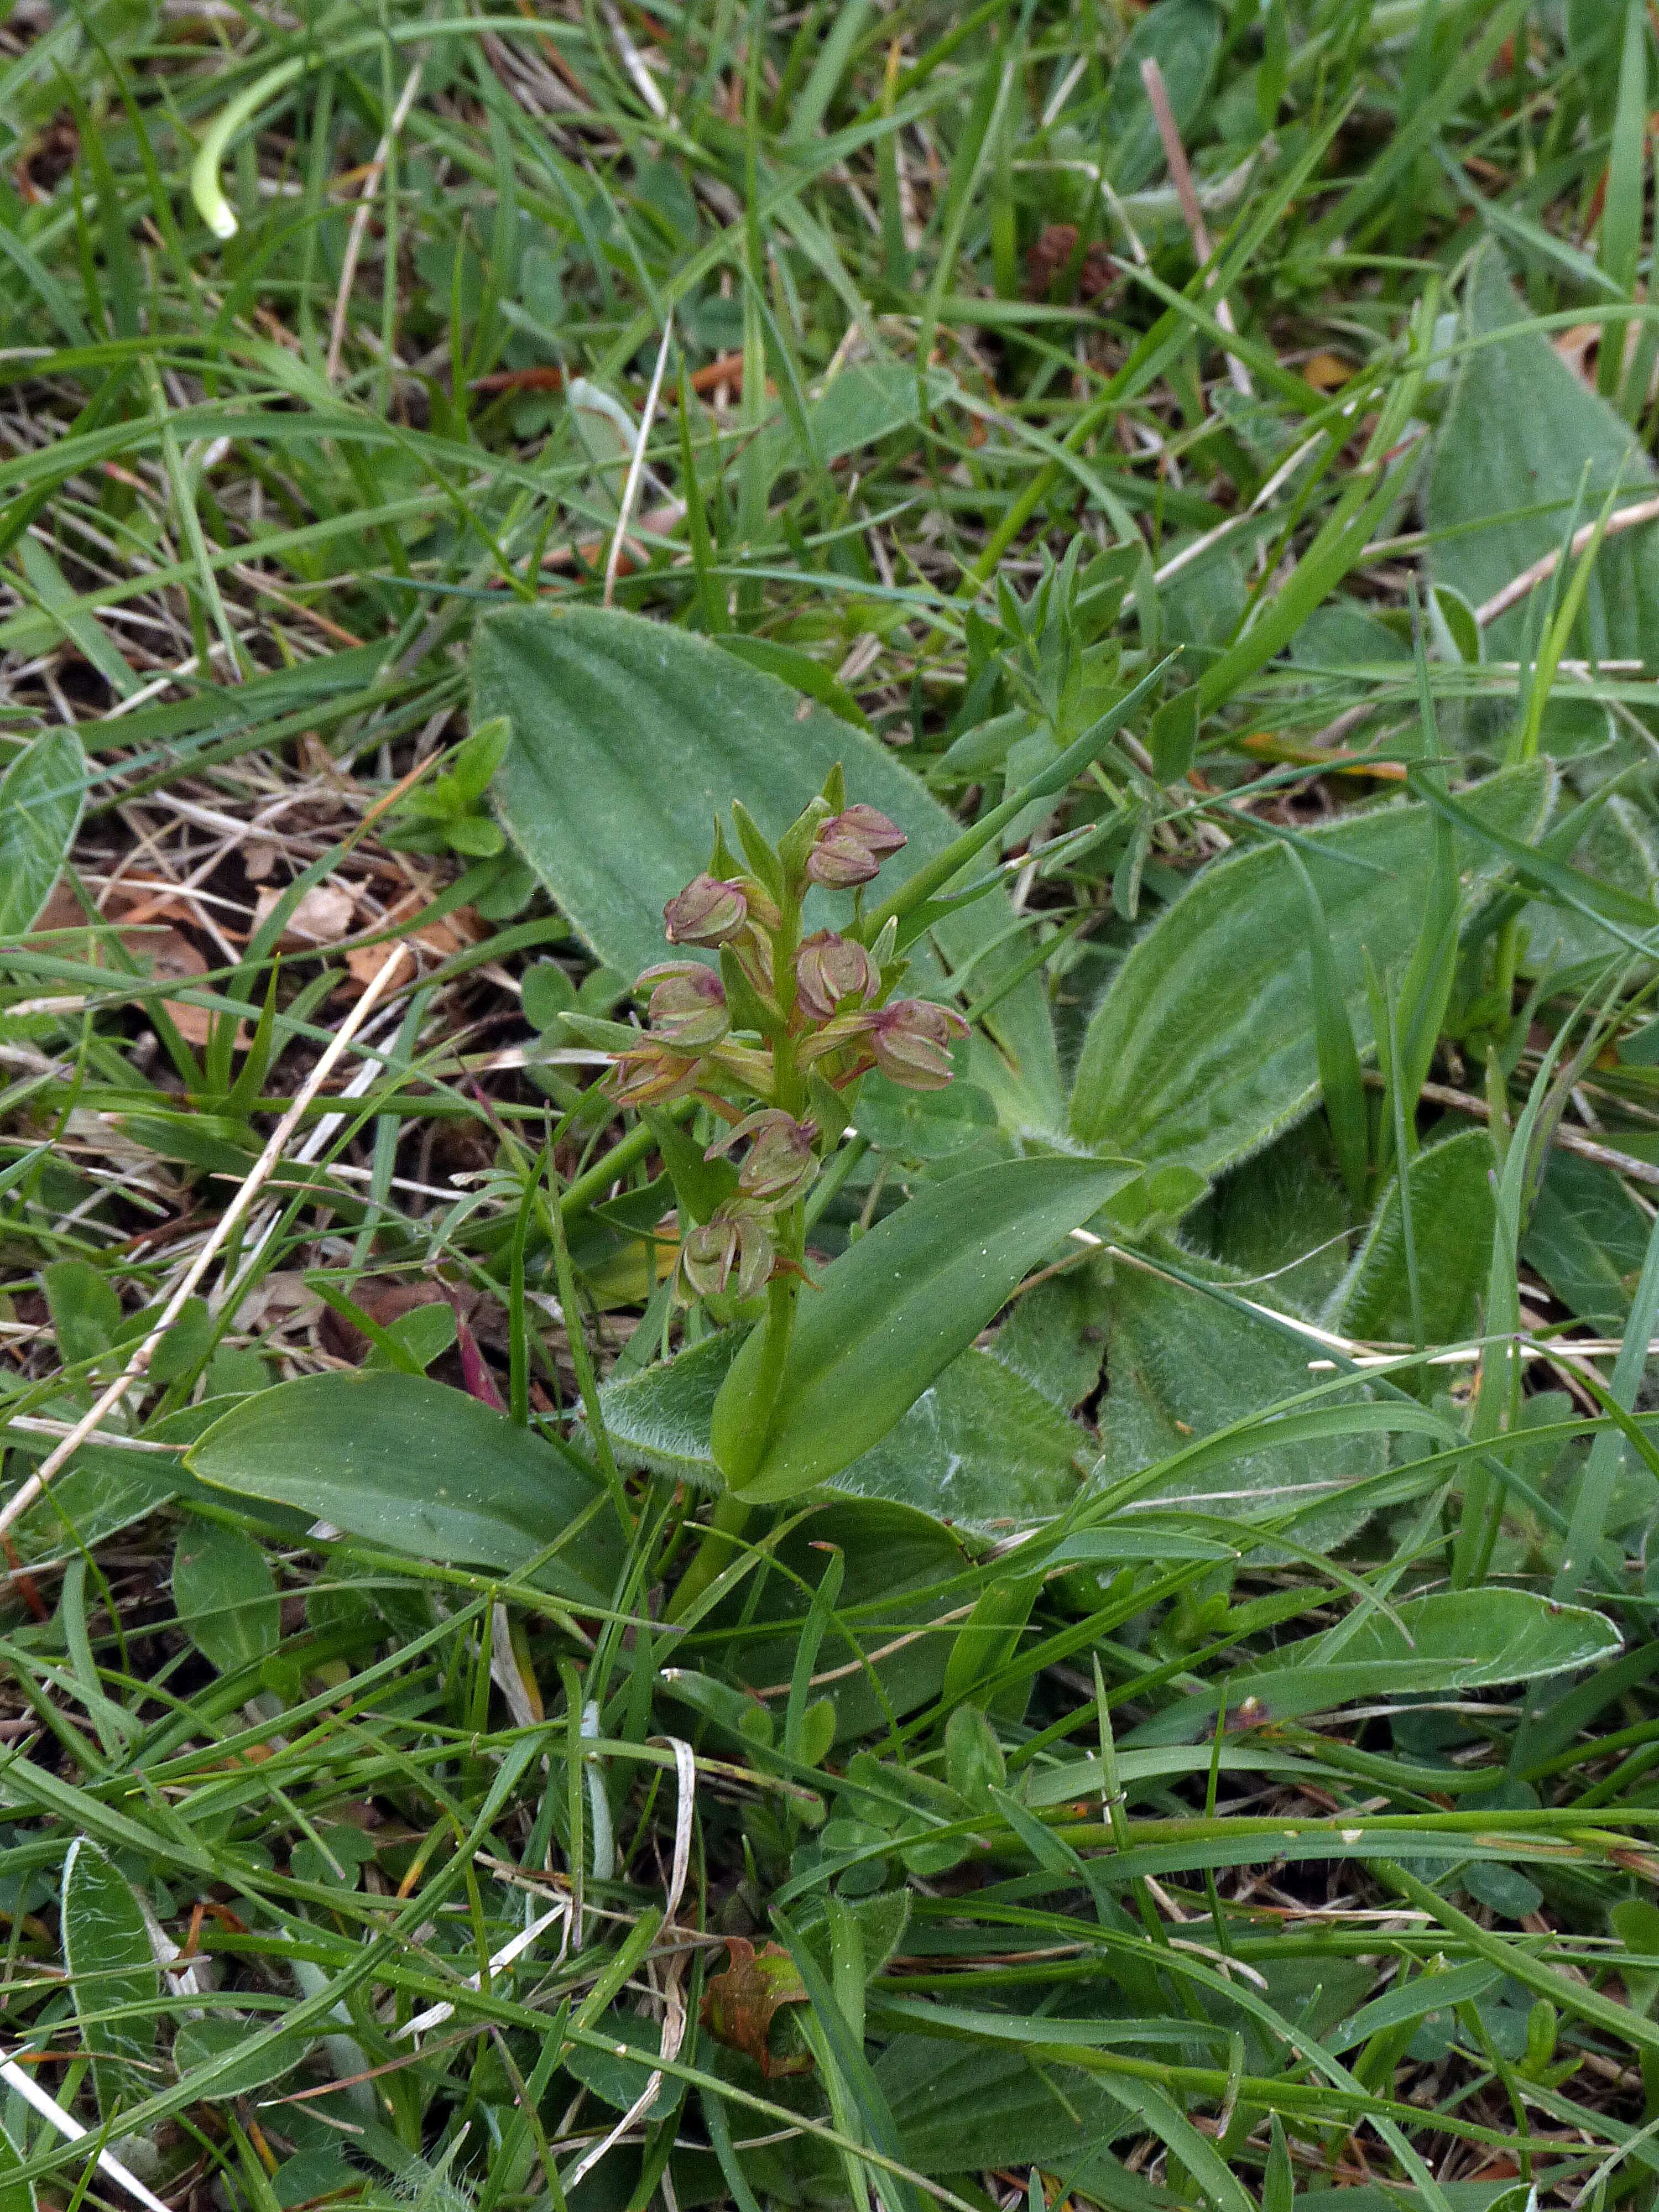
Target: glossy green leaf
{"type": "Point", "coordinates": [965, 2107]}
{"type": "Point", "coordinates": [616, 2081]}
{"type": "Point", "coordinates": [1447, 1642]}
{"type": "Point", "coordinates": [224, 1595]}
{"type": "Point", "coordinates": [980, 1446]}
{"type": "Point", "coordinates": [41, 796]}
{"type": "Point", "coordinates": [402, 1460]}
{"type": "Point", "coordinates": [111, 1965]}
{"type": "Point", "coordinates": [1204, 1047]}
{"type": "Point", "coordinates": [105, 1487]}
{"type": "Point", "coordinates": [1451, 1219]}
{"type": "Point", "coordinates": [629, 736]}
{"type": "Point", "coordinates": [893, 1312]}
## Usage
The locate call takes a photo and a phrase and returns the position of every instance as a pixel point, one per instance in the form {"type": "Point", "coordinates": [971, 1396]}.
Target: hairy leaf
{"type": "Point", "coordinates": [629, 736]}
{"type": "Point", "coordinates": [979, 1446]}
{"type": "Point", "coordinates": [1203, 1048]}
{"type": "Point", "coordinates": [111, 1965]}
{"type": "Point", "coordinates": [1451, 1221]}
{"type": "Point", "coordinates": [41, 796]}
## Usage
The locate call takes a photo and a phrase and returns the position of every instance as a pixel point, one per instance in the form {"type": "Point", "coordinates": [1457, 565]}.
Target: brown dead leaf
{"type": "Point", "coordinates": [738, 2006]}
{"type": "Point", "coordinates": [169, 955]}
{"type": "Point", "coordinates": [62, 910]}
{"type": "Point", "coordinates": [447, 934]}
{"type": "Point", "coordinates": [1580, 346]}
{"type": "Point", "coordinates": [1326, 372]}
{"type": "Point", "coordinates": [452, 932]}
{"type": "Point", "coordinates": [364, 962]}
{"type": "Point", "coordinates": [323, 916]}
{"type": "Point", "coordinates": [385, 1300]}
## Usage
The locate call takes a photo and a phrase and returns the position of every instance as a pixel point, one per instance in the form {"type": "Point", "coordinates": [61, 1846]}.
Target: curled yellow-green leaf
{"type": "Point", "coordinates": [205, 188]}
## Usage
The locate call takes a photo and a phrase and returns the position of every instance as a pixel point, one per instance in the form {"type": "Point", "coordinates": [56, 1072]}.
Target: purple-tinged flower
{"type": "Point", "coordinates": [706, 912]}
{"type": "Point", "coordinates": [911, 1041]}
{"type": "Point", "coordinates": [650, 1072]}
{"type": "Point", "coordinates": [780, 1162]}
{"type": "Point", "coordinates": [850, 847]}
{"type": "Point", "coordinates": [733, 1251]}
{"type": "Point", "coordinates": [688, 1004]}
{"type": "Point", "coordinates": [830, 969]}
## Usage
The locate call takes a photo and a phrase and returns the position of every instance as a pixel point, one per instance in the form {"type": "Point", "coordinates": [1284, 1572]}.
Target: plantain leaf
{"type": "Point", "coordinates": [1522, 464]}
{"type": "Point", "coordinates": [1452, 1216]}
{"type": "Point", "coordinates": [224, 1595]}
{"type": "Point", "coordinates": [1180, 1366]}
{"type": "Point", "coordinates": [1183, 37]}
{"type": "Point", "coordinates": [203, 2042]}
{"type": "Point", "coordinates": [41, 795]}
{"type": "Point", "coordinates": [893, 1312]}
{"type": "Point", "coordinates": [980, 1446]}
{"type": "Point", "coordinates": [1204, 1047]}
{"type": "Point", "coordinates": [629, 736]}
{"type": "Point", "coordinates": [402, 1460]}
{"type": "Point", "coordinates": [1449, 1641]}
{"type": "Point", "coordinates": [1587, 1239]}
{"type": "Point", "coordinates": [112, 1971]}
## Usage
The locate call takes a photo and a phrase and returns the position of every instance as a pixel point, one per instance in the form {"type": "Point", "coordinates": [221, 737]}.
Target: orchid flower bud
{"type": "Point", "coordinates": [652, 1071]}
{"type": "Point", "coordinates": [779, 1163]}
{"type": "Point", "coordinates": [830, 969]}
{"type": "Point", "coordinates": [706, 912]}
{"type": "Point", "coordinates": [688, 1004]}
{"type": "Point", "coordinates": [732, 1251]}
{"type": "Point", "coordinates": [911, 1041]}
{"type": "Point", "coordinates": [851, 846]}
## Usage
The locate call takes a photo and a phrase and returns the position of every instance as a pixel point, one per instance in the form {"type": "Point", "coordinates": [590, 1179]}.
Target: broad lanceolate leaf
{"type": "Point", "coordinates": [202, 2042]}
{"type": "Point", "coordinates": [979, 1446]}
{"type": "Point", "coordinates": [1449, 1641]}
{"type": "Point", "coordinates": [224, 1595]}
{"type": "Point", "coordinates": [629, 736]}
{"type": "Point", "coordinates": [111, 1965]}
{"type": "Point", "coordinates": [963, 2106]}
{"type": "Point", "coordinates": [894, 1311]}
{"type": "Point", "coordinates": [1183, 37]}
{"type": "Point", "coordinates": [1451, 1226]}
{"type": "Point", "coordinates": [1517, 433]}
{"type": "Point", "coordinates": [1204, 1047]}
{"type": "Point", "coordinates": [1617, 850]}
{"type": "Point", "coordinates": [15, 2196]}
{"type": "Point", "coordinates": [105, 1487]}
{"type": "Point", "coordinates": [41, 795]}
{"type": "Point", "coordinates": [402, 1460]}
{"type": "Point", "coordinates": [1587, 1239]}
{"type": "Point", "coordinates": [1181, 1366]}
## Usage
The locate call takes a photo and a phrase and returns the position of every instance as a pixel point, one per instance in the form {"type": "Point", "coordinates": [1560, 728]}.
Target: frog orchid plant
{"type": "Point", "coordinates": [775, 1040]}
{"type": "Point", "coordinates": [772, 1027]}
